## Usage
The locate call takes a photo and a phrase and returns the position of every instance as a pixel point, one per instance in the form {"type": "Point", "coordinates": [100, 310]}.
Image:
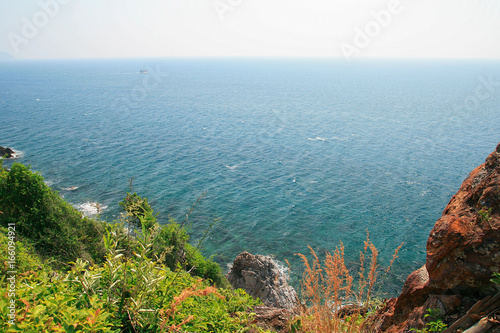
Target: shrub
{"type": "Point", "coordinates": [136, 209]}
{"type": "Point", "coordinates": [435, 324]}
{"type": "Point", "coordinates": [55, 228]}
{"type": "Point", "coordinates": [170, 241]}
{"type": "Point", "coordinates": [200, 266]}
{"type": "Point", "coordinates": [26, 258]}
{"type": "Point", "coordinates": [134, 294]}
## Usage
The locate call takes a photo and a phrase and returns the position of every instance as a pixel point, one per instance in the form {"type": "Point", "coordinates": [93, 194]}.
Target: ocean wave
{"type": "Point", "coordinates": [316, 139]}
{"type": "Point", "coordinates": [71, 188]}
{"type": "Point", "coordinates": [339, 138]}
{"type": "Point", "coordinates": [90, 208]}
{"type": "Point", "coordinates": [336, 138]}
{"type": "Point", "coordinates": [17, 154]}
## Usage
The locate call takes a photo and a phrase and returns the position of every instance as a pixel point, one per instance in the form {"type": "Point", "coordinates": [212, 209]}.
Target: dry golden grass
{"type": "Point", "coordinates": [328, 286]}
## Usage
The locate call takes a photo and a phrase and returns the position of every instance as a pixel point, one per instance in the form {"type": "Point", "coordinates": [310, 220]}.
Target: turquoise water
{"type": "Point", "coordinates": [290, 152]}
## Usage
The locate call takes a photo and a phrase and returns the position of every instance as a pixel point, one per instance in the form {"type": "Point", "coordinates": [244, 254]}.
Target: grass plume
{"type": "Point", "coordinates": [328, 286]}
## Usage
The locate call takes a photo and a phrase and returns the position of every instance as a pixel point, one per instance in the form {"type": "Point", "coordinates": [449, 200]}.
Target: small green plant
{"type": "Point", "coordinates": [435, 325]}
{"type": "Point", "coordinates": [137, 208]}
{"type": "Point", "coordinates": [496, 278]}
{"type": "Point", "coordinates": [485, 215]}
{"type": "Point", "coordinates": [296, 326]}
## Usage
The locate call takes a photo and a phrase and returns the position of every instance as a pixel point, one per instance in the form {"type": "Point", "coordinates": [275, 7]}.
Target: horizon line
{"type": "Point", "coordinates": [247, 57]}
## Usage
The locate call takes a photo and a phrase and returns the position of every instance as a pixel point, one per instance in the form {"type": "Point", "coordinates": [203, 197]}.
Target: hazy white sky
{"type": "Point", "coordinates": [327, 28]}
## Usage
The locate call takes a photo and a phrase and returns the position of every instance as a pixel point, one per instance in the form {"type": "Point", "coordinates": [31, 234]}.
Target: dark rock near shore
{"type": "Point", "coordinates": [6, 152]}
{"type": "Point", "coordinates": [463, 251]}
{"type": "Point", "coordinates": [261, 277]}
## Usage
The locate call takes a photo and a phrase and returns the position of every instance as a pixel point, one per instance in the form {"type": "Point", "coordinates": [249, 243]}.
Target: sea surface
{"type": "Point", "coordinates": [290, 152]}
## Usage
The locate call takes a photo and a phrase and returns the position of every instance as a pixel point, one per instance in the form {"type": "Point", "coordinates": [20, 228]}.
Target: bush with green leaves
{"type": "Point", "coordinates": [174, 238]}
{"type": "Point", "coordinates": [124, 294]}
{"type": "Point", "coordinates": [495, 278]}
{"type": "Point", "coordinates": [435, 324]}
{"type": "Point", "coordinates": [55, 228]}
{"type": "Point", "coordinates": [170, 239]}
{"type": "Point", "coordinates": [129, 276]}
{"type": "Point", "coordinates": [26, 258]}
{"type": "Point", "coordinates": [60, 233]}
{"type": "Point", "coordinates": [137, 208]}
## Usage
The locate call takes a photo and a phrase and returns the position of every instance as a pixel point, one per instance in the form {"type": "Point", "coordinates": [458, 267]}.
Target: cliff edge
{"type": "Point", "coordinates": [463, 251]}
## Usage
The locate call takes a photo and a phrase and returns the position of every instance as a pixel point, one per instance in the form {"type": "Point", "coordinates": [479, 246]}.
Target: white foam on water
{"type": "Point", "coordinates": [317, 139]}
{"type": "Point", "coordinates": [16, 154]}
{"type": "Point", "coordinates": [90, 208]}
{"type": "Point", "coordinates": [71, 188]}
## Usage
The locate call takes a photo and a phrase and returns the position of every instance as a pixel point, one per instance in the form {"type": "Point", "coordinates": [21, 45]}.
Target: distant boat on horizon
{"type": "Point", "coordinates": [143, 71]}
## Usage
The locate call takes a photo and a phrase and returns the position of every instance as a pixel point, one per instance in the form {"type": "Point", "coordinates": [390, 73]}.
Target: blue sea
{"type": "Point", "coordinates": [290, 152]}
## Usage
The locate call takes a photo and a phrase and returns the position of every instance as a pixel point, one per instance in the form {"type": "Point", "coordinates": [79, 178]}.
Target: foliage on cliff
{"type": "Point", "coordinates": [55, 229]}
{"type": "Point", "coordinates": [60, 233]}
{"type": "Point", "coordinates": [76, 274]}
{"type": "Point", "coordinates": [122, 294]}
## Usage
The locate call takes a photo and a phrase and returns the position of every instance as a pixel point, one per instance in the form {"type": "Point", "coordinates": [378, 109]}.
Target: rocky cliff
{"type": "Point", "coordinates": [7, 152]}
{"type": "Point", "coordinates": [261, 277]}
{"type": "Point", "coordinates": [463, 251]}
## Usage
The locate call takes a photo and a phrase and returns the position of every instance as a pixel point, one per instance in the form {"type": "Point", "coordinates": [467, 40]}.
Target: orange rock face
{"type": "Point", "coordinates": [463, 251]}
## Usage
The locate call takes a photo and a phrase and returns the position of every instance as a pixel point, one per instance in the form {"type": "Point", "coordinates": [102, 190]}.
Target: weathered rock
{"type": "Point", "coordinates": [6, 152]}
{"type": "Point", "coordinates": [261, 277]}
{"type": "Point", "coordinates": [463, 251]}
{"type": "Point", "coordinates": [271, 318]}
{"type": "Point", "coordinates": [351, 310]}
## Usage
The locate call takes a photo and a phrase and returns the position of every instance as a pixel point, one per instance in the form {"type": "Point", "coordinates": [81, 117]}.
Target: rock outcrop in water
{"type": "Point", "coordinates": [463, 251]}
{"type": "Point", "coordinates": [6, 152]}
{"type": "Point", "coordinates": [261, 277]}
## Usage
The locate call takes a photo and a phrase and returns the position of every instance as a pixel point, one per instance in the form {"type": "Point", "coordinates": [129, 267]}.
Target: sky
{"type": "Point", "coordinates": [45, 29]}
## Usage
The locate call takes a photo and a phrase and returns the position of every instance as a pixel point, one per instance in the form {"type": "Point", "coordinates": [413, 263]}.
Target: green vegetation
{"type": "Point", "coordinates": [26, 257]}
{"type": "Point", "coordinates": [170, 240]}
{"type": "Point", "coordinates": [56, 230]}
{"type": "Point", "coordinates": [435, 324]}
{"type": "Point", "coordinates": [77, 274]}
{"type": "Point", "coordinates": [496, 278]}
{"type": "Point", "coordinates": [123, 294]}
{"type": "Point", "coordinates": [485, 215]}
